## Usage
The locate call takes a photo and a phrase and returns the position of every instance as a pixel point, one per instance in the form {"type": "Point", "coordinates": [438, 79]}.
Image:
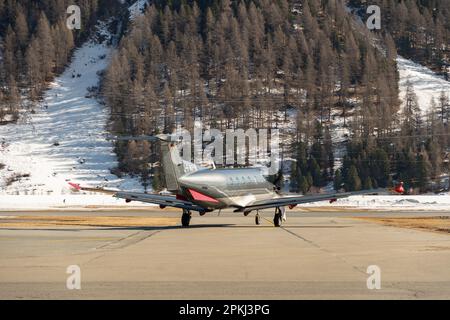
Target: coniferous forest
{"type": "Point", "coordinates": [36, 45]}
{"type": "Point", "coordinates": [296, 65]}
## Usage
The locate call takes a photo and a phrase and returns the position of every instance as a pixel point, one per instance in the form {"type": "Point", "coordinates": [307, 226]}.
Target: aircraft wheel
{"type": "Point", "coordinates": [277, 219]}
{"type": "Point", "coordinates": [257, 219]}
{"type": "Point", "coordinates": [186, 218]}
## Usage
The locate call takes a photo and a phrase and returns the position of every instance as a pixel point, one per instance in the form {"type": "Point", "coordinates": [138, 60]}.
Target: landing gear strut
{"type": "Point", "coordinates": [257, 218]}
{"type": "Point", "coordinates": [185, 218]}
{"type": "Point", "coordinates": [277, 217]}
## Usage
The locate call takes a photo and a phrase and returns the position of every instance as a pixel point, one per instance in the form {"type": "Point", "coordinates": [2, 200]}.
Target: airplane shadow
{"type": "Point", "coordinates": [177, 227]}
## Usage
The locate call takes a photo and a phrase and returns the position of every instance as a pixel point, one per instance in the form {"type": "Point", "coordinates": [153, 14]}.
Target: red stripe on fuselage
{"type": "Point", "coordinates": [201, 197]}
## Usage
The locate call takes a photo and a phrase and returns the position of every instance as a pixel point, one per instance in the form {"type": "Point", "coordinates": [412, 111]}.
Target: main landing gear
{"type": "Point", "coordinates": [278, 217]}
{"type": "Point", "coordinates": [186, 218]}
{"type": "Point", "coordinates": [257, 218]}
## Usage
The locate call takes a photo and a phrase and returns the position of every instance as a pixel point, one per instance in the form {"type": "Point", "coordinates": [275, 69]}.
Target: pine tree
{"type": "Point", "coordinates": [9, 50]}
{"type": "Point", "coordinates": [353, 182]}
{"type": "Point", "coordinates": [34, 74]}
{"type": "Point", "coordinates": [21, 27]}
{"type": "Point", "coordinates": [444, 107]}
{"type": "Point", "coordinates": [13, 97]}
{"type": "Point", "coordinates": [46, 47]}
{"type": "Point", "coordinates": [337, 180]}
{"type": "Point", "coordinates": [63, 45]}
{"type": "Point", "coordinates": [411, 113]}
{"type": "Point", "coordinates": [379, 167]}
{"type": "Point", "coordinates": [316, 173]}
{"type": "Point", "coordinates": [422, 171]}
{"type": "Point", "coordinates": [304, 185]}
{"type": "Point", "coordinates": [367, 185]}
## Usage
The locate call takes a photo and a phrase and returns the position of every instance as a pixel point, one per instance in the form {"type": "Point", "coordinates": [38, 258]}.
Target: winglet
{"type": "Point", "coordinates": [76, 186]}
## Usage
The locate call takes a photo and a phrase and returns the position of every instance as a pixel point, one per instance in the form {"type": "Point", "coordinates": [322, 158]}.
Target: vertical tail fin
{"type": "Point", "coordinates": [173, 164]}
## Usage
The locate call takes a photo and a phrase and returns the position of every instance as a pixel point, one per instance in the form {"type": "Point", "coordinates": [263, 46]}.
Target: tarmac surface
{"type": "Point", "coordinates": [314, 255]}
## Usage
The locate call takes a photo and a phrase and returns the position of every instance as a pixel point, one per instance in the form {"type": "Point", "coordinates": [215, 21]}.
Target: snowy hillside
{"type": "Point", "coordinates": [137, 8]}
{"type": "Point", "coordinates": [425, 82]}
{"type": "Point", "coordinates": [390, 203]}
{"type": "Point", "coordinates": [65, 138]}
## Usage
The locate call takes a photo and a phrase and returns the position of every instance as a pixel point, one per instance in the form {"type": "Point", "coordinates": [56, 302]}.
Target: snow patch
{"type": "Point", "coordinates": [391, 202]}
{"type": "Point", "coordinates": [65, 202]}
{"type": "Point", "coordinates": [137, 8]}
{"type": "Point", "coordinates": [426, 83]}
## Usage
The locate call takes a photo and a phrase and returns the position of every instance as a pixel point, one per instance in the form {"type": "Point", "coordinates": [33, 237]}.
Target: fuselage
{"type": "Point", "coordinates": [222, 188]}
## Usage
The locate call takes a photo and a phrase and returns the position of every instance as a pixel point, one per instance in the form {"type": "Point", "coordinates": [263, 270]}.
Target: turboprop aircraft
{"type": "Point", "coordinates": [203, 190]}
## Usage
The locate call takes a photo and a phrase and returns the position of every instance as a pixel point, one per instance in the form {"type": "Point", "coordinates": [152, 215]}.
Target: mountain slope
{"type": "Point", "coordinates": [65, 138]}
{"type": "Point", "coordinates": [426, 83]}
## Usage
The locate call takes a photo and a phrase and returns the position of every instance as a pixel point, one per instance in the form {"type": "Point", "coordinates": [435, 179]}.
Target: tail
{"type": "Point", "coordinates": [173, 165]}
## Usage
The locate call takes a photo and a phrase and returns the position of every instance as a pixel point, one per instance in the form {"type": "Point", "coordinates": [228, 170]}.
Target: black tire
{"type": "Point", "coordinates": [277, 220]}
{"type": "Point", "coordinates": [185, 219]}
{"type": "Point", "coordinates": [257, 219]}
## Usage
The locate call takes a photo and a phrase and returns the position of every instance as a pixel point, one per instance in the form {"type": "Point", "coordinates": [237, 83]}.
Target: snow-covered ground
{"type": "Point", "coordinates": [65, 202]}
{"type": "Point", "coordinates": [390, 203]}
{"type": "Point", "coordinates": [425, 82]}
{"type": "Point", "coordinates": [65, 138]}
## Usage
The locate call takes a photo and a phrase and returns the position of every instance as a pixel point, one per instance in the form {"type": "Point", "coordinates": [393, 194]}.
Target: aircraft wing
{"type": "Point", "coordinates": [161, 200]}
{"type": "Point", "coordinates": [294, 200]}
